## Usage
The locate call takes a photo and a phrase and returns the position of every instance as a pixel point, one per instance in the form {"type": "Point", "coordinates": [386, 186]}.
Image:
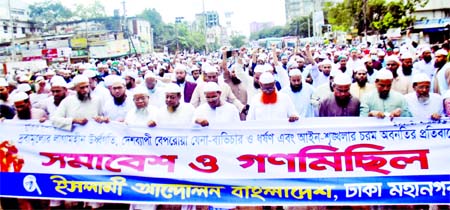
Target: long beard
{"type": "Point", "coordinates": [84, 97]}
{"type": "Point", "coordinates": [439, 64]}
{"type": "Point", "coordinates": [427, 59]}
{"type": "Point", "coordinates": [369, 70]}
{"type": "Point", "coordinates": [24, 115]}
{"type": "Point", "coordinates": [235, 80]}
{"type": "Point", "coordinates": [4, 97]}
{"type": "Point", "coordinates": [57, 100]}
{"type": "Point", "coordinates": [269, 98]}
{"type": "Point", "coordinates": [256, 85]}
{"type": "Point", "coordinates": [342, 102]}
{"type": "Point", "coordinates": [119, 100]}
{"type": "Point", "coordinates": [129, 85]}
{"type": "Point", "coordinates": [362, 83]}
{"type": "Point", "coordinates": [296, 88]}
{"type": "Point", "coordinates": [407, 70]}
{"type": "Point", "coordinates": [180, 81]}
{"type": "Point", "coordinates": [423, 98]}
{"type": "Point", "coordinates": [383, 95]}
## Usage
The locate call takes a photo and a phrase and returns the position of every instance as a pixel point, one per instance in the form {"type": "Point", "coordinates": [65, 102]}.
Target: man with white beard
{"type": "Point", "coordinates": [422, 103]}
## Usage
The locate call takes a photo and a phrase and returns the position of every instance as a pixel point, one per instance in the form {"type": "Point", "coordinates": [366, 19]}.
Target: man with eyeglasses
{"type": "Point", "coordinates": [142, 114]}
{"type": "Point", "coordinates": [400, 83]}
{"type": "Point", "coordinates": [422, 103]}
{"type": "Point", "coordinates": [270, 104]}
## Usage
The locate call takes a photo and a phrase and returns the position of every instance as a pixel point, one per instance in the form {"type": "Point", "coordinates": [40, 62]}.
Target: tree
{"type": "Point", "coordinates": [94, 10]}
{"type": "Point", "coordinates": [157, 25]}
{"type": "Point", "coordinates": [237, 41]}
{"type": "Point", "coordinates": [49, 12]}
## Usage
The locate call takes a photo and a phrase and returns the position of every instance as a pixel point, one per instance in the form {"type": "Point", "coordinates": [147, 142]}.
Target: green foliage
{"type": "Point", "coordinates": [297, 27]}
{"type": "Point", "coordinates": [94, 10]}
{"type": "Point", "coordinates": [49, 12]}
{"type": "Point", "coordinates": [237, 41]}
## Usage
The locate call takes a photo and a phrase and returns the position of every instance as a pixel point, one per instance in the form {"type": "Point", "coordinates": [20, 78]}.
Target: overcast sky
{"type": "Point", "coordinates": [245, 11]}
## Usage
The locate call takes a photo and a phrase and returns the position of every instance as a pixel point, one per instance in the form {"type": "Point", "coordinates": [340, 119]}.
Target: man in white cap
{"type": "Point", "coordinates": [361, 85]}
{"type": "Point", "coordinates": [59, 92]}
{"type": "Point", "coordinates": [97, 91]}
{"type": "Point", "coordinates": [215, 110]}
{"type": "Point", "coordinates": [130, 79]}
{"type": "Point", "coordinates": [117, 103]}
{"type": "Point", "coordinates": [195, 73]}
{"type": "Point", "coordinates": [400, 83]}
{"type": "Point", "coordinates": [426, 65]}
{"type": "Point", "coordinates": [406, 69]}
{"type": "Point", "coordinates": [79, 108]}
{"type": "Point", "coordinates": [300, 93]}
{"type": "Point", "coordinates": [24, 110]}
{"type": "Point", "coordinates": [212, 75]}
{"type": "Point", "coordinates": [341, 103]}
{"type": "Point", "coordinates": [142, 114]}
{"type": "Point", "coordinates": [176, 111]}
{"type": "Point", "coordinates": [384, 102]}
{"type": "Point", "coordinates": [154, 89]}
{"type": "Point", "coordinates": [270, 104]}
{"type": "Point", "coordinates": [422, 103]}
{"type": "Point", "coordinates": [321, 76]}
{"type": "Point", "coordinates": [441, 78]}
{"type": "Point", "coordinates": [186, 86]}
{"type": "Point", "coordinates": [4, 92]}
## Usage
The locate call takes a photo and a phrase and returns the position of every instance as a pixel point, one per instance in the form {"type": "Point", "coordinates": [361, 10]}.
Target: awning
{"type": "Point", "coordinates": [432, 23]}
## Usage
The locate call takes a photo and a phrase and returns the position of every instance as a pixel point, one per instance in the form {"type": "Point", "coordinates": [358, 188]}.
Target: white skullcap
{"type": "Point", "coordinates": [90, 73]}
{"type": "Point", "coordinates": [172, 88]}
{"type": "Point", "coordinates": [140, 90]}
{"type": "Point", "coordinates": [210, 69]}
{"type": "Point", "coordinates": [107, 80]}
{"type": "Point", "coordinates": [39, 78]}
{"type": "Point", "coordinates": [392, 58]}
{"type": "Point", "coordinates": [24, 78]}
{"type": "Point", "coordinates": [149, 74]}
{"type": "Point", "coordinates": [384, 74]}
{"type": "Point", "coordinates": [322, 56]}
{"type": "Point", "coordinates": [259, 69]}
{"type": "Point", "coordinates": [360, 68]}
{"type": "Point", "coordinates": [335, 72]}
{"type": "Point", "coordinates": [284, 57]}
{"type": "Point", "coordinates": [381, 53]}
{"type": "Point", "coordinates": [131, 74]}
{"type": "Point", "coordinates": [79, 79]}
{"type": "Point", "coordinates": [194, 68]}
{"type": "Point", "coordinates": [292, 64]}
{"type": "Point", "coordinates": [180, 67]}
{"type": "Point", "coordinates": [266, 78]}
{"type": "Point", "coordinates": [3, 82]}
{"type": "Point", "coordinates": [366, 59]}
{"type": "Point", "coordinates": [115, 79]}
{"type": "Point", "coordinates": [326, 62]}
{"type": "Point", "coordinates": [406, 55]}
{"type": "Point", "coordinates": [19, 96]}
{"type": "Point", "coordinates": [441, 52]}
{"type": "Point", "coordinates": [425, 49]}
{"type": "Point", "coordinates": [58, 81]}
{"type": "Point", "coordinates": [49, 73]}
{"type": "Point", "coordinates": [342, 79]}
{"type": "Point", "coordinates": [262, 57]}
{"type": "Point", "coordinates": [446, 94]}
{"type": "Point", "coordinates": [211, 87]}
{"type": "Point", "coordinates": [23, 87]}
{"type": "Point", "coordinates": [295, 72]}
{"type": "Point", "coordinates": [268, 67]}
{"type": "Point", "coordinates": [420, 77]}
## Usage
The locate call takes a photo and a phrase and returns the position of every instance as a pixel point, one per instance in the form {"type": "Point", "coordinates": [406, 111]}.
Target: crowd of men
{"type": "Point", "coordinates": [251, 84]}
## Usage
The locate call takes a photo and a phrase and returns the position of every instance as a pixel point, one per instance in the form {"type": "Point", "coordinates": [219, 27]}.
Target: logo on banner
{"type": "Point", "coordinates": [30, 184]}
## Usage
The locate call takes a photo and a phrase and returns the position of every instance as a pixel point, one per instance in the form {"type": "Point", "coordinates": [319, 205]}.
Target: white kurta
{"type": "Point", "coordinates": [227, 113]}
{"type": "Point", "coordinates": [426, 109]}
{"type": "Point", "coordinates": [302, 99]}
{"type": "Point", "coordinates": [140, 117]}
{"type": "Point", "coordinates": [117, 112]}
{"type": "Point", "coordinates": [198, 96]}
{"type": "Point", "coordinates": [282, 109]}
{"type": "Point", "coordinates": [183, 115]}
{"type": "Point", "coordinates": [71, 107]}
{"type": "Point", "coordinates": [47, 105]}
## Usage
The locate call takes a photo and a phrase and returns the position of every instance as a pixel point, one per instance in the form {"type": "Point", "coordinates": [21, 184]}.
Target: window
{"type": "Point", "coordinates": [15, 30]}
{"type": "Point", "coordinates": [23, 30]}
{"type": "Point", "coordinates": [5, 29]}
